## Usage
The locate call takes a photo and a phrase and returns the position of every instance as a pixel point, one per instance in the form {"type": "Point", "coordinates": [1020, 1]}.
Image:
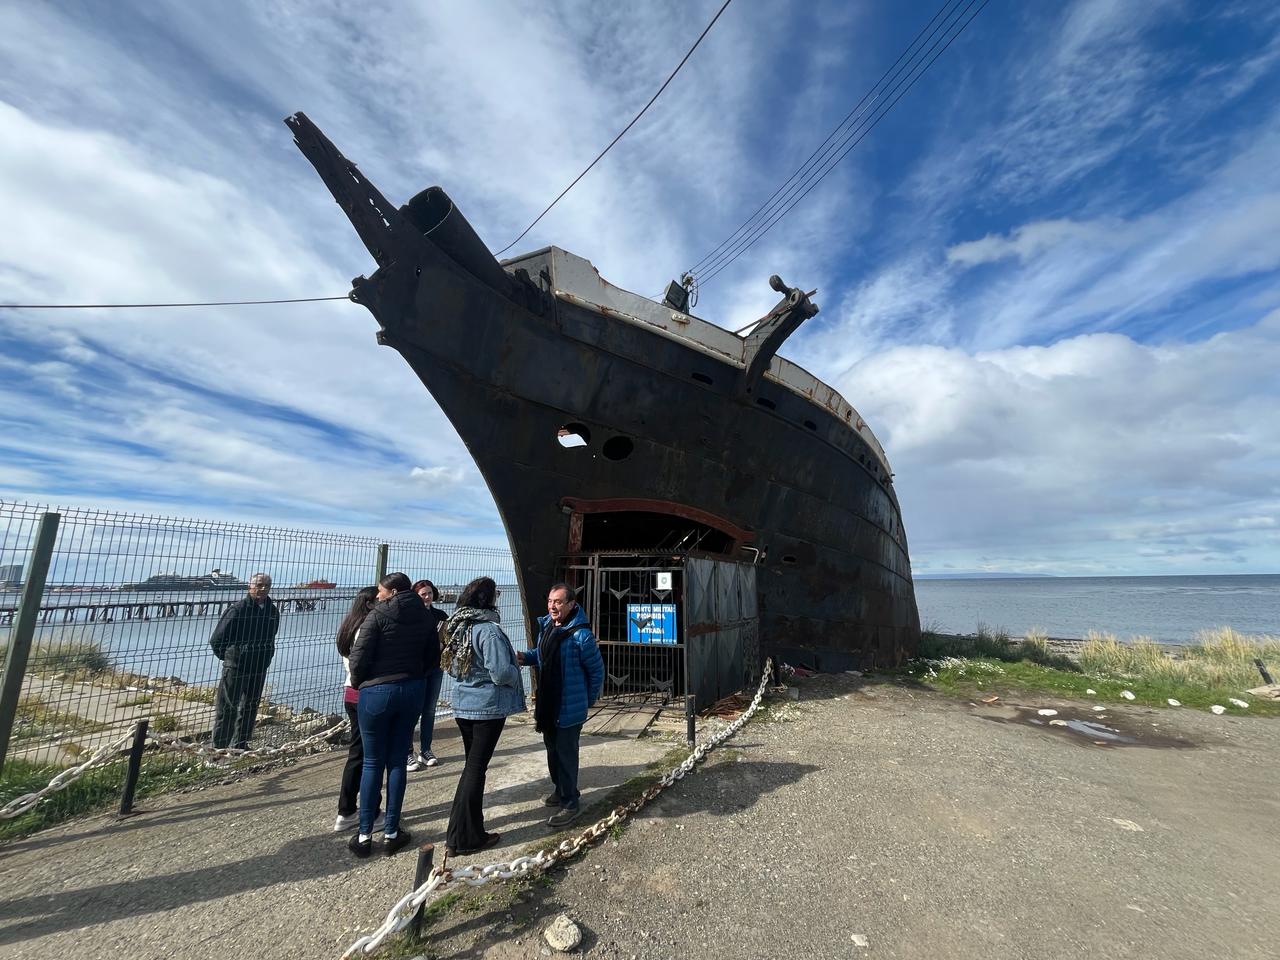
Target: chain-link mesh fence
{"type": "Point", "coordinates": [130, 602]}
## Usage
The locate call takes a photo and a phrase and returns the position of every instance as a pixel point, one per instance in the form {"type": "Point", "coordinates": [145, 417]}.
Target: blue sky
{"type": "Point", "coordinates": [1049, 279]}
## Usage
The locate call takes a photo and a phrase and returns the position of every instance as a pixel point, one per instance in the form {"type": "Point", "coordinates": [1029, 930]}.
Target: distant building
{"type": "Point", "coordinates": [11, 576]}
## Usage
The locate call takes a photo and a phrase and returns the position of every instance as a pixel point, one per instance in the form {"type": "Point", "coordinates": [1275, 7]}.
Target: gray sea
{"type": "Point", "coordinates": [1165, 609]}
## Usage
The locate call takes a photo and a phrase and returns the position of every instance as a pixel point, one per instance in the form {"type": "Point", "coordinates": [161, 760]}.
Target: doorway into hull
{"type": "Point", "coordinates": [647, 532]}
{"type": "Point", "coordinates": [650, 527]}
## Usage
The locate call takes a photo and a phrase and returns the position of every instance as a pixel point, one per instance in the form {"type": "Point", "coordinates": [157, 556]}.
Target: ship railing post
{"type": "Point", "coordinates": [380, 565]}
{"type": "Point", "coordinates": [24, 628]}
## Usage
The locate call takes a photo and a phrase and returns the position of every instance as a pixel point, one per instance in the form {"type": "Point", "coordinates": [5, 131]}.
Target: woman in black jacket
{"type": "Point", "coordinates": [388, 661]}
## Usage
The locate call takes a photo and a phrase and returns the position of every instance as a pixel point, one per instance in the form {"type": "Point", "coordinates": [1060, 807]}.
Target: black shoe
{"type": "Point", "coordinates": [489, 840]}
{"type": "Point", "coordinates": [361, 848]}
{"type": "Point", "coordinates": [391, 844]}
{"type": "Point", "coordinates": [553, 800]}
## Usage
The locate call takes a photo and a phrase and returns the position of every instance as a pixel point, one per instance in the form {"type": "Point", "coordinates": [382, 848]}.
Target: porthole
{"type": "Point", "coordinates": [788, 559]}
{"type": "Point", "coordinates": [573, 435]}
{"type": "Point", "coordinates": [766, 403]}
{"type": "Point", "coordinates": [811, 425]}
{"type": "Point", "coordinates": [702, 378]}
{"type": "Point", "coordinates": [618, 448]}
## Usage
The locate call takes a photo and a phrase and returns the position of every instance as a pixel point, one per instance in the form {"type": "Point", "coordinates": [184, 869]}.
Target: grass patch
{"type": "Point", "coordinates": [36, 718]}
{"type": "Point", "coordinates": [70, 657]}
{"type": "Point", "coordinates": [96, 791]}
{"type": "Point", "coordinates": [141, 700]}
{"type": "Point", "coordinates": [1211, 672]}
{"type": "Point", "coordinates": [993, 645]}
{"type": "Point", "coordinates": [165, 723]}
{"type": "Point", "coordinates": [205, 695]}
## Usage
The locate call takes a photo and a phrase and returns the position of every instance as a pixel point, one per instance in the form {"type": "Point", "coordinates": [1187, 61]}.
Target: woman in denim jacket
{"type": "Point", "coordinates": [488, 689]}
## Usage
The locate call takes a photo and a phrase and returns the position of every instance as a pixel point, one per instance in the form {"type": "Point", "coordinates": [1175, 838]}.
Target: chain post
{"type": "Point", "coordinates": [380, 565]}
{"type": "Point", "coordinates": [134, 768]}
{"type": "Point", "coordinates": [24, 628]}
{"type": "Point", "coordinates": [426, 853]}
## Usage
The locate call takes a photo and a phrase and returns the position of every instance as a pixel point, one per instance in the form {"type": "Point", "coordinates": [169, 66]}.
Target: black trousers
{"type": "Point", "coordinates": [562, 762]}
{"type": "Point", "coordinates": [466, 818]}
{"type": "Point", "coordinates": [236, 705]}
{"type": "Point", "coordinates": [349, 795]}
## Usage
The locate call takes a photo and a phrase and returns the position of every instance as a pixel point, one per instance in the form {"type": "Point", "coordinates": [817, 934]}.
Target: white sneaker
{"type": "Point", "coordinates": [429, 759]}
{"type": "Point", "coordinates": [351, 821]}
{"type": "Point", "coordinates": [417, 761]}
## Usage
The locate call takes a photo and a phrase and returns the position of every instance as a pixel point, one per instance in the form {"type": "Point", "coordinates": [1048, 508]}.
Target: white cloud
{"type": "Point", "coordinates": [1087, 450]}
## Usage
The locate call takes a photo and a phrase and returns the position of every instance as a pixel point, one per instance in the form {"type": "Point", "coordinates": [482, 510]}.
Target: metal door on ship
{"type": "Point", "coordinates": [635, 611]}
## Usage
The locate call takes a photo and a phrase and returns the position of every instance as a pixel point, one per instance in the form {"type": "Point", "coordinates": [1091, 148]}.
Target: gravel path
{"type": "Point", "coordinates": [925, 827]}
{"type": "Point", "coordinates": [871, 820]}
{"type": "Point", "coordinates": [253, 867]}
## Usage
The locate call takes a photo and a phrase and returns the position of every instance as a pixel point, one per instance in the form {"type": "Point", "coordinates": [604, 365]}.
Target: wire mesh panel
{"type": "Point", "coordinates": [641, 635]}
{"type": "Point", "coordinates": [131, 601]}
{"type": "Point", "coordinates": [450, 568]}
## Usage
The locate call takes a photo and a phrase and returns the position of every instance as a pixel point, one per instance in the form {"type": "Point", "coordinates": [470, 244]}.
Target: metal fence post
{"type": "Point", "coordinates": [135, 767]}
{"type": "Point", "coordinates": [691, 728]}
{"type": "Point", "coordinates": [380, 568]}
{"type": "Point", "coordinates": [426, 853]}
{"type": "Point", "coordinates": [24, 626]}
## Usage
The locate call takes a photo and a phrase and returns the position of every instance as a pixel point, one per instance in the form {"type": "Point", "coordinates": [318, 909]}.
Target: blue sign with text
{"type": "Point", "coordinates": [651, 623]}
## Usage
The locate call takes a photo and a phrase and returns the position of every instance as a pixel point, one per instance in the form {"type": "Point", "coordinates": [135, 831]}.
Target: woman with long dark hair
{"type": "Point", "coordinates": [478, 655]}
{"type": "Point", "coordinates": [349, 794]}
{"type": "Point", "coordinates": [387, 667]}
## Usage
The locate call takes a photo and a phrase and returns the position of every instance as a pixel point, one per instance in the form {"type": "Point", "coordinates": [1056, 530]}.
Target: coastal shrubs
{"type": "Point", "coordinates": [993, 645]}
{"type": "Point", "coordinates": [1216, 669]}
{"type": "Point", "coordinates": [1220, 659]}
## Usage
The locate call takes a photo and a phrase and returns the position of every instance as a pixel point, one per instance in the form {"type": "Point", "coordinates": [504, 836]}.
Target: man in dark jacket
{"type": "Point", "coordinates": [245, 641]}
{"type": "Point", "coordinates": [571, 677]}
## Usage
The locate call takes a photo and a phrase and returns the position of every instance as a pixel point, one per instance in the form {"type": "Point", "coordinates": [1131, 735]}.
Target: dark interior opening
{"type": "Point", "coordinates": [657, 532]}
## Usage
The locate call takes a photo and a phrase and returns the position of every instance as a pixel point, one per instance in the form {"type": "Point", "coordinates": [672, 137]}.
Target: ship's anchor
{"type": "Point", "coordinates": [764, 336]}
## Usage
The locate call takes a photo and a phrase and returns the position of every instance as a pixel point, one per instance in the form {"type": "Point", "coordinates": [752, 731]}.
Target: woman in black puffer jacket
{"type": "Point", "coordinates": [388, 665]}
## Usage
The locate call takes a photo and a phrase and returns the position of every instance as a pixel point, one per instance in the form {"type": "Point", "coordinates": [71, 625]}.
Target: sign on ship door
{"type": "Point", "coordinates": [652, 623]}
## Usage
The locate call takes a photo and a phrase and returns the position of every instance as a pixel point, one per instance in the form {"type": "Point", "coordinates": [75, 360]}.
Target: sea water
{"type": "Point", "coordinates": [1164, 609]}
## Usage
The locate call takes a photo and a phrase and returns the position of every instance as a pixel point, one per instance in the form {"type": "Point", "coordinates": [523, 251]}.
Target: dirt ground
{"type": "Point", "coordinates": [866, 819]}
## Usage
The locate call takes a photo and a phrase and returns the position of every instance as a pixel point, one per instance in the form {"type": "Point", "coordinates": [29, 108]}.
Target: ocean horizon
{"type": "Point", "coordinates": [1167, 609]}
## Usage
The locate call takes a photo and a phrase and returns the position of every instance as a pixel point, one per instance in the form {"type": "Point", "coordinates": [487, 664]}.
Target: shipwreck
{"type": "Point", "coordinates": [604, 421]}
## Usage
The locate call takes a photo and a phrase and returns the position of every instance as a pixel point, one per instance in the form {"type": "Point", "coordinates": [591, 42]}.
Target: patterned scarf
{"type": "Point", "coordinates": [455, 638]}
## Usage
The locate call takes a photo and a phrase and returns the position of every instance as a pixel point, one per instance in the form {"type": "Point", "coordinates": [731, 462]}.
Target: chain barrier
{"type": "Point", "coordinates": [401, 915]}
{"type": "Point", "coordinates": [171, 743]}
{"type": "Point", "coordinates": [105, 754]}
{"type": "Point", "coordinates": [167, 743]}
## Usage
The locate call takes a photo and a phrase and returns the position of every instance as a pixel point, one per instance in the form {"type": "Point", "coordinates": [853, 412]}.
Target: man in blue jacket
{"type": "Point", "coordinates": [571, 675]}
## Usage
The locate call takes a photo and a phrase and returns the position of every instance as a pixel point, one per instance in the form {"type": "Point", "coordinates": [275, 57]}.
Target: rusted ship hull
{"type": "Point", "coordinates": [676, 453]}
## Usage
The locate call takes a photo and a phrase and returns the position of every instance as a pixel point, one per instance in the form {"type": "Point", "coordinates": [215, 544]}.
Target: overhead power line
{"type": "Point", "coordinates": [925, 48]}
{"type": "Point", "coordinates": [139, 306]}
{"type": "Point", "coordinates": [682, 62]}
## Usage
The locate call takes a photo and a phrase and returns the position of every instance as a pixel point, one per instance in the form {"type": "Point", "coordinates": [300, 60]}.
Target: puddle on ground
{"type": "Point", "coordinates": [1088, 728]}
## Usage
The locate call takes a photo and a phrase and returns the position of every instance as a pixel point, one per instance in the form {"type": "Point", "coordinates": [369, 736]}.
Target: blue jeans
{"type": "Point", "coordinates": [388, 712]}
{"type": "Point", "coordinates": [434, 681]}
